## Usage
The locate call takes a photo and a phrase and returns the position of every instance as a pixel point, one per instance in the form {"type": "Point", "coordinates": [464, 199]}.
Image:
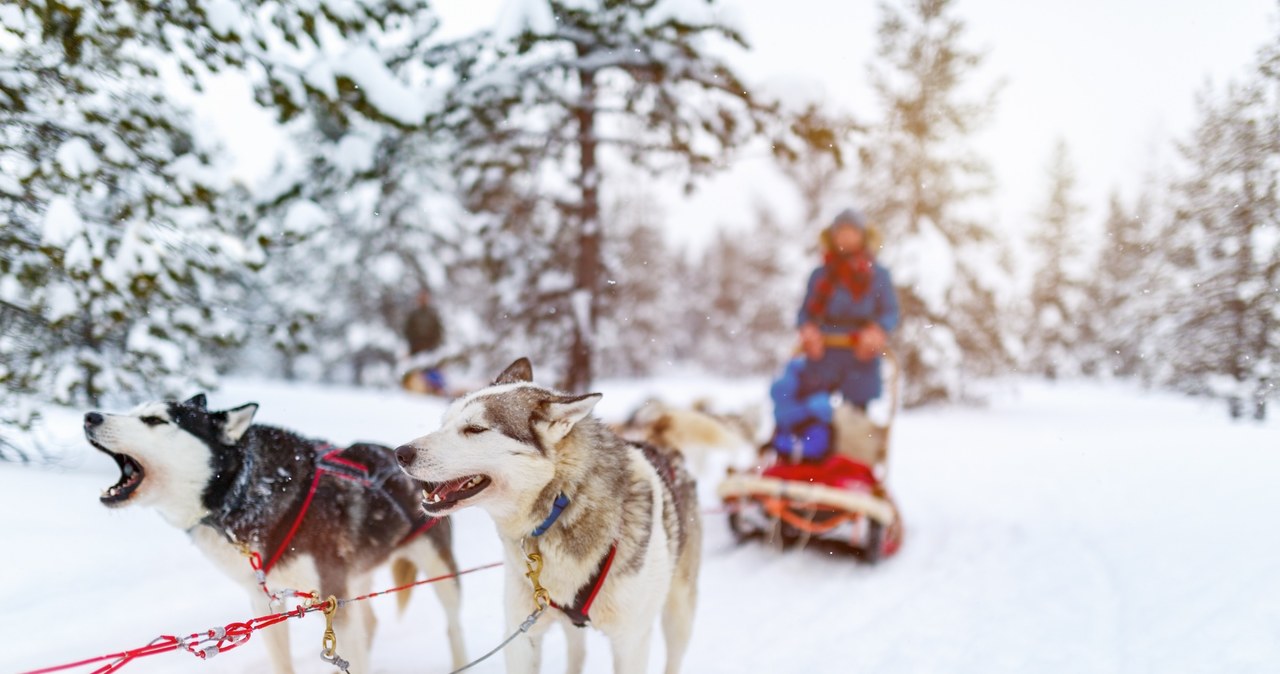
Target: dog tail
{"type": "Point", "coordinates": [403, 572]}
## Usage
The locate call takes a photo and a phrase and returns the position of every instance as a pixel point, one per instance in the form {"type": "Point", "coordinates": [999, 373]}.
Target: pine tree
{"type": "Point", "coordinates": [1121, 289]}
{"type": "Point", "coordinates": [918, 177]}
{"type": "Point", "coordinates": [351, 85]}
{"type": "Point", "coordinates": [115, 275]}
{"type": "Point", "coordinates": [818, 168]}
{"type": "Point", "coordinates": [566, 88]}
{"type": "Point", "coordinates": [750, 286]}
{"type": "Point", "coordinates": [1060, 326]}
{"type": "Point", "coordinates": [1225, 241]}
{"type": "Point", "coordinates": [644, 290]}
{"type": "Point", "coordinates": [371, 203]}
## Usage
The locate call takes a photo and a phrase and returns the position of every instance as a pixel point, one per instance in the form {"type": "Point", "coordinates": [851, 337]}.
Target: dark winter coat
{"type": "Point", "coordinates": [423, 329]}
{"type": "Point", "coordinates": [857, 380]}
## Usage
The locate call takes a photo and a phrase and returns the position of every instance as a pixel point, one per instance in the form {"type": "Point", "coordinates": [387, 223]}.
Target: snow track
{"type": "Point", "coordinates": [1072, 528]}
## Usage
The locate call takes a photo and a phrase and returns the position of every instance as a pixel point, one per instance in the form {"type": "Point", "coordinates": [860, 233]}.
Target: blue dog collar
{"type": "Point", "coordinates": [556, 508]}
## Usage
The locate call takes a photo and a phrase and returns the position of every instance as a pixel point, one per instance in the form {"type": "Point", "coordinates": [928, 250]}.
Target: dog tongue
{"type": "Point", "coordinates": [444, 490]}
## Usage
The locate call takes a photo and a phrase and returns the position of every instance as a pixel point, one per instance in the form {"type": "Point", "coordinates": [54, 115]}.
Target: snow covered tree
{"type": "Point", "coordinates": [560, 90]}
{"type": "Point", "coordinates": [1120, 290]}
{"type": "Point", "coordinates": [645, 292]}
{"type": "Point", "coordinates": [351, 85]}
{"type": "Point", "coordinates": [1225, 242]}
{"type": "Point", "coordinates": [371, 203]}
{"type": "Point", "coordinates": [919, 179]}
{"type": "Point", "coordinates": [750, 284]}
{"type": "Point", "coordinates": [115, 274]}
{"type": "Point", "coordinates": [1061, 328]}
{"type": "Point", "coordinates": [818, 168]}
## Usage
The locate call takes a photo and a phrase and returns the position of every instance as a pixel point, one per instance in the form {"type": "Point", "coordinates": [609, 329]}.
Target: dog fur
{"type": "Point", "coordinates": [229, 482]}
{"type": "Point", "coordinates": [511, 449]}
{"type": "Point", "coordinates": [695, 431]}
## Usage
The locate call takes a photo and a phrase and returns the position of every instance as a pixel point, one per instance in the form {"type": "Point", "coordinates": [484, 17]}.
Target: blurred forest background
{"type": "Point", "coordinates": [507, 171]}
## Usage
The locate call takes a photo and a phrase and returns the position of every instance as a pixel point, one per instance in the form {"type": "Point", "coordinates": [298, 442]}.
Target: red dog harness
{"type": "Point", "coordinates": [332, 463]}
{"type": "Point", "coordinates": [578, 612]}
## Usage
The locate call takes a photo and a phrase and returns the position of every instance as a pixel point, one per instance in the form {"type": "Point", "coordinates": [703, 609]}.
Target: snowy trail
{"type": "Point", "coordinates": [1072, 528]}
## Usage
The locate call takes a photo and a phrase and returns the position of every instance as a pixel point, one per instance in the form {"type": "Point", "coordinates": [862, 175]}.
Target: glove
{"type": "Point", "coordinates": [871, 342]}
{"type": "Point", "coordinates": [811, 341]}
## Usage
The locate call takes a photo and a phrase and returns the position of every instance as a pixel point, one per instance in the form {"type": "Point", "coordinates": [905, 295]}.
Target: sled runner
{"type": "Point", "coordinates": [839, 501]}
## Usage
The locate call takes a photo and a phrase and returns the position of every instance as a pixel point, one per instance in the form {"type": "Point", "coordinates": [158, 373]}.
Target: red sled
{"type": "Point", "coordinates": [840, 503]}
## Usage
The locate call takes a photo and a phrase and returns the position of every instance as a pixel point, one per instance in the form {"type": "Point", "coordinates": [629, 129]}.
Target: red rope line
{"type": "Point", "coordinates": [235, 634]}
{"type": "Point", "coordinates": [211, 642]}
{"type": "Point", "coordinates": [420, 582]}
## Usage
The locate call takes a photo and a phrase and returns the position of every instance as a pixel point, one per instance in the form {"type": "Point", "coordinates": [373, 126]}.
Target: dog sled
{"type": "Point", "coordinates": [430, 376]}
{"type": "Point", "coordinates": [839, 503]}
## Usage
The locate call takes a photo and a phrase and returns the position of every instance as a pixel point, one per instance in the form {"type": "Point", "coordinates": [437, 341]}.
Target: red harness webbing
{"type": "Point", "coordinates": [321, 470]}
{"type": "Point", "coordinates": [330, 463]}
{"type": "Point", "coordinates": [580, 614]}
{"type": "Point", "coordinates": [424, 528]}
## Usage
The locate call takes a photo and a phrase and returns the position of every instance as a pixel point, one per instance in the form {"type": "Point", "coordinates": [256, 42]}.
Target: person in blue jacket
{"type": "Point", "coordinates": [848, 312]}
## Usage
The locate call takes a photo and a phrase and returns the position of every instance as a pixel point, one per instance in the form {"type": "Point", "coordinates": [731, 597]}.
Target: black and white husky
{"type": "Point", "coordinates": [319, 517]}
{"type": "Point", "coordinates": [615, 522]}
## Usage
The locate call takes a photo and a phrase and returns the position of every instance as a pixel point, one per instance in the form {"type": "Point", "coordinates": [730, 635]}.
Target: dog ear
{"type": "Point", "coordinates": [517, 372]}
{"type": "Point", "coordinates": [197, 401]}
{"type": "Point", "coordinates": [562, 413]}
{"type": "Point", "coordinates": [238, 421]}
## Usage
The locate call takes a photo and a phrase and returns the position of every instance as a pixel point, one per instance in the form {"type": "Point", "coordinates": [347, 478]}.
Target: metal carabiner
{"type": "Point", "coordinates": [533, 564]}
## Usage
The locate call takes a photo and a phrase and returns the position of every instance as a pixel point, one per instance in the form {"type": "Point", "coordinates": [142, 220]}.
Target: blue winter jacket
{"type": "Point", "coordinates": [838, 369]}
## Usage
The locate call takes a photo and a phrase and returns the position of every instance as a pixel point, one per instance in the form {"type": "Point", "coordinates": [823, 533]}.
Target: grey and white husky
{"type": "Point", "coordinates": [615, 522]}
{"type": "Point", "coordinates": [318, 516]}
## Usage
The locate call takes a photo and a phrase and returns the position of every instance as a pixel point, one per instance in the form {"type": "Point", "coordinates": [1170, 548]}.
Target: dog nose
{"type": "Point", "coordinates": [405, 454]}
{"type": "Point", "coordinates": [93, 419]}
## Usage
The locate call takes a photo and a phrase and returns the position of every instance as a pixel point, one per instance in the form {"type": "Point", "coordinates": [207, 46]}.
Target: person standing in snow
{"type": "Point", "coordinates": [425, 332]}
{"type": "Point", "coordinates": [848, 312]}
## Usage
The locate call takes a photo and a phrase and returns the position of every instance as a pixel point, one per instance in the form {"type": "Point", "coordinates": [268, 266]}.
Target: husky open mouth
{"type": "Point", "coordinates": [438, 496]}
{"type": "Point", "coordinates": [131, 475]}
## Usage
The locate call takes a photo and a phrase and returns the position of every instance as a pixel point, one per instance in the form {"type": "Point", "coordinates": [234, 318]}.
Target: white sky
{"type": "Point", "coordinates": [1115, 78]}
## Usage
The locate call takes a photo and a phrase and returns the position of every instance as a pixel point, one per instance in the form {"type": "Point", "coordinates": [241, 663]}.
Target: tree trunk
{"type": "Point", "coordinates": [585, 298]}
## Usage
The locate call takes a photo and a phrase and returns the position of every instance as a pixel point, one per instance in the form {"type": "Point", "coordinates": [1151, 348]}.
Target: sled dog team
{"type": "Point", "coordinates": [613, 521]}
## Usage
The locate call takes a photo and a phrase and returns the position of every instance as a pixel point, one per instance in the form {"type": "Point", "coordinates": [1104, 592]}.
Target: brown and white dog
{"type": "Point", "coordinates": [235, 486]}
{"type": "Point", "coordinates": [615, 522]}
{"type": "Point", "coordinates": [696, 431]}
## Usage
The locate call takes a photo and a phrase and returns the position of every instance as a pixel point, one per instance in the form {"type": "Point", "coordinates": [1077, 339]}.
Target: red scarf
{"type": "Point", "coordinates": [854, 272]}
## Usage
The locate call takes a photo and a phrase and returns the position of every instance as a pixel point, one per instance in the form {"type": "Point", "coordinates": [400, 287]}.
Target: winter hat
{"type": "Point", "coordinates": [849, 216]}
{"type": "Point", "coordinates": [854, 218]}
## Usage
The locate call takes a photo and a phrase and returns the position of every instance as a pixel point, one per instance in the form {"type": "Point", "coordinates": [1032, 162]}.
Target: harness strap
{"type": "Point", "coordinates": [297, 522]}
{"type": "Point", "coordinates": [422, 529]}
{"type": "Point", "coordinates": [578, 612]}
{"type": "Point", "coordinates": [580, 608]}
{"type": "Point", "coordinates": [329, 463]}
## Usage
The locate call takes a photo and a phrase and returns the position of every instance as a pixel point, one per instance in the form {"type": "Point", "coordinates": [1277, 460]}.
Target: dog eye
{"type": "Point", "coordinates": [473, 430]}
{"type": "Point", "coordinates": [153, 421]}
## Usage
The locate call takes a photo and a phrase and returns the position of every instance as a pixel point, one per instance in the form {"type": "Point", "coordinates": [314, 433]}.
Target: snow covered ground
{"type": "Point", "coordinates": [1067, 528]}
